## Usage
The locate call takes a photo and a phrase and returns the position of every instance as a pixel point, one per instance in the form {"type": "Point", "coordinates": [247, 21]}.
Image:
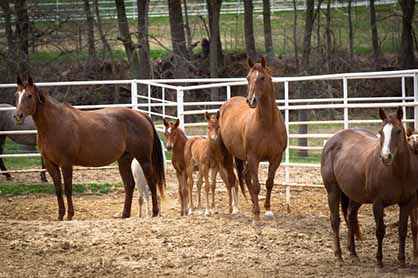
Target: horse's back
{"type": "Point", "coordinates": [196, 149]}
{"type": "Point", "coordinates": [345, 159]}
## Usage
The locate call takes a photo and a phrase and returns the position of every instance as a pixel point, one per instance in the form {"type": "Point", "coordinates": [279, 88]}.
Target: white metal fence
{"type": "Point", "coordinates": [172, 99]}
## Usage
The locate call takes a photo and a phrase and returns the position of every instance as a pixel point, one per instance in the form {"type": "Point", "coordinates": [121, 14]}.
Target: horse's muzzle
{"type": "Point", "coordinates": [387, 159]}
{"type": "Point", "coordinates": [19, 118]}
{"type": "Point", "coordinates": [252, 102]}
{"type": "Point", "coordinates": [169, 148]}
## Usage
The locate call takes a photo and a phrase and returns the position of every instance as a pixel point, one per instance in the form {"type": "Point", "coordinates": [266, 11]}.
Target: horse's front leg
{"type": "Point", "coordinates": [273, 165]}
{"type": "Point", "coordinates": [67, 173]}
{"type": "Point", "coordinates": [55, 173]}
{"type": "Point", "coordinates": [414, 230]}
{"type": "Point", "coordinates": [353, 227]}
{"type": "Point", "coordinates": [207, 186]}
{"type": "Point", "coordinates": [2, 166]}
{"type": "Point", "coordinates": [253, 170]}
{"type": "Point", "coordinates": [181, 189]}
{"type": "Point", "coordinates": [380, 232]}
{"type": "Point", "coordinates": [405, 210]}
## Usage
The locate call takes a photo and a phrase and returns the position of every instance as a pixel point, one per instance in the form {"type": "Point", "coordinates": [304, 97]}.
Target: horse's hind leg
{"type": "Point", "coordinates": [334, 195]}
{"type": "Point", "coordinates": [353, 227]}
{"type": "Point", "coordinates": [128, 182]}
{"type": "Point", "coordinates": [67, 173]}
{"type": "Point", "coordinates": [405, 210]}
{"type": "Point", "coordinates": [414, 230]}
{"type": "Point", "coordinates": [152, 184]}
{"type": "Point", "coordinates": [43, 174]}
{"type": "Point", "coordinates": [2, 166]}
{"type": "Point", "coordinates": [54, 172]}
{"type": "Point", "coordinates": [273, 165]}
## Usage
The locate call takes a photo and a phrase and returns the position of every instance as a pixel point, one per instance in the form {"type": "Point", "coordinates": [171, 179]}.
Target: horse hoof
{"type": "Point", "coordinates": [235, 211]}
{"type": "Point", "coordinates": [69, 218]}
{"type": "Point", "coordinates": [268, 215]}
{"type": "Point", "coordinates": [354, 259]}
{"type": "Point", "coordinates": [207, 212]}
{"type": "Point", "coordinates": [378, 269]}
{"type": "Point", "coordinates": [404, 270]}
{"type": "Point", "coordinates": [117, 215]}
{"type": "Point", "coordinates": [190, 211]}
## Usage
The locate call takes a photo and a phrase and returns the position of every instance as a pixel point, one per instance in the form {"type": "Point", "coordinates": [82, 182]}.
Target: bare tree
{"type": "Point", "coordinates": [373, 25]}
{"type": "Point", "coordinates": [268, 38]}
{"type": "Point", "coordinates": [145, 71]}
{"type": "Point", "coordinates": [125, 37]}
{"type": "Point", "coordinates": [90, 31]}
{"type": "Point", "coordinates": [295, 38]}
{"type": "Point", "coordinates": [187, 25]}
{"type": "Point", "coordinates": [407, 55]}
{"type": "Point", "coordinates": [22, 36]}
{"type": "Point", "coordinates": [248, 29]}
{"type": "Point", "coordinates": [106, 46]}
{"type": "Point", "coordinates": [11, 54]}
{"type": "Point", "coordinates": [177, 38]}
{"type": "Point", "coordinates": [350, 30]}
{"type": "Point", "coordinates": [328, 35]}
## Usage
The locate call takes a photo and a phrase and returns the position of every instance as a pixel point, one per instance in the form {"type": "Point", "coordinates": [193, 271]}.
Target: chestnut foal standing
{"type": "Point", "coordinates": [68, 137]}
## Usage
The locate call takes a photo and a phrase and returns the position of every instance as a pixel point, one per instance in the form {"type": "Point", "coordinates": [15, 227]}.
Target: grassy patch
{"type": "Point", "coordinates": [26, 189]}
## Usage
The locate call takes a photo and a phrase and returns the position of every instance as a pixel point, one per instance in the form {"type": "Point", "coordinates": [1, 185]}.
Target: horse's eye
{"type": "Point", "coordinates": [398, 131]}
{"type": "Point", "coordinates": [262, 78]}
{"type": "Point", "coordinates": [29, 96]}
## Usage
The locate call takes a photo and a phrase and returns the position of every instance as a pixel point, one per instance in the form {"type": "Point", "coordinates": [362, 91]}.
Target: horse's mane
{"type": "Point", "coordinates": [52, 100]}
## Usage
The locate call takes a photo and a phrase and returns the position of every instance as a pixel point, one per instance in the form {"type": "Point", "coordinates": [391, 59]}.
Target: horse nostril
{"type": "Point", "coordinates": [390, 156]}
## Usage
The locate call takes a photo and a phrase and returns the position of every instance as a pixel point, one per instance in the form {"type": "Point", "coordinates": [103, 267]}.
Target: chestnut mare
{"type": "Point", "coordinates": [358, 167]}
{"type": "Point", "coordinates": [252, 130]}
{"type": "Point", "coordinates": [68, 136]}
{"type": "Point", "coordinates": [175, 141]}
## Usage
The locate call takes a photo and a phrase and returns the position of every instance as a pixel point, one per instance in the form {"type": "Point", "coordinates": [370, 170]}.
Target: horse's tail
{"type": "Point", "coordinates": [344, 206]}
{"type": "Point", "coordinates": [158, 161]}
{"type": "Point", "coordinates": [239, 165]}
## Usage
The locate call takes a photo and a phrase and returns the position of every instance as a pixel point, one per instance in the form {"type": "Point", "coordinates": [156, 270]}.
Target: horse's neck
{"type": "Point", "coordinates": [180, 143]}
{"type": "Point", "coordinates": [46, 115]}
{"type": "Point", "coordinates": [266, 110]}
{"type": "Point", "coordinates": [402, 161]}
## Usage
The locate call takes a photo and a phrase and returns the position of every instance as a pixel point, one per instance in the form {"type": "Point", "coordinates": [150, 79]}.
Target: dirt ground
{"type": "Point", "coordinates": [94, 244]}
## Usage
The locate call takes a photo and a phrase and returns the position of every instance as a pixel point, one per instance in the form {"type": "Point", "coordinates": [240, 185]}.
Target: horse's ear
{"type": "Point", "coordinates": [250, 62]}
{"type": "Point", "coordinates": [263, 61]}
{"type": "Point", "coordinates": [166, 124]}
{"type": "Point", "coordinates": [399, 113]}
{"type": "Point", "coordinates": [19, 81]}
{"type": "Point", "coordinates": [177, 123]}
{"type": "Point", "coordinates": [409, 132]}
{"type": "Point", "coordinates": [218, 114]}
{"type": "Point", "coordinates": [30, 81]}
{"type": "Point", "coordinates": [207, 115]}
{"type": "Point", "coordinates": [382, 114]}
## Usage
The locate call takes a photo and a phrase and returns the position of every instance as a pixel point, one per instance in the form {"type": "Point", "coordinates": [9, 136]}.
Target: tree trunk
{"type": "Point", "coordinates": [177, 38]}
{"type": "Point", "coordinates": [125, 37]}
{"type": "Point", "coordinates": [216, 58]}
{"type": "Point", "coordinates": [407, 56]}
{"type": "Point", "coordinates": [295, 38]}
{"type": "Point", "coordinates": [248, 29]}
{"type": "Point", "coordinates": [375, 38]}
{"type": "Point", "coordinates": [106, 46]}
{"type": "Point", "coordinates": [145, 71]}
{"type": "Point", "coordinates": [350, 30]}
{"type": "Point", "coordinates": [303, 116]}
{"type": "Point", "coordinates": [268, 38]}
{"type": "Point", "coordinates": [22, 36]}
{"type": "Point", "coordinates": [187, 26]}
{"type": "Point", "coordinates": [11, 52]}
{"type": "Point", "coordinates": [90, 31]}
{"type": "Point", "coordinates": [328, 35]}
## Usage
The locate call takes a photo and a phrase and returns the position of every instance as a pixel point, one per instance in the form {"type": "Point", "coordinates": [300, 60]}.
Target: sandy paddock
{"type": "Point", "coordinates": [295, 244]}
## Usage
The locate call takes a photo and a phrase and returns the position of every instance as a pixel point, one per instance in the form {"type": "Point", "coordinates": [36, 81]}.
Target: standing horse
{"type": "Point", "coordinates": [358, 168]}
{"type": "Point", "coordinates": [252, 130]}
{"type": "Point", "coordinates": [7, 122]}
{"type": "Point", "coordinates": [68, 137]}
{"type": "Point", "coordinates": [175, 141]}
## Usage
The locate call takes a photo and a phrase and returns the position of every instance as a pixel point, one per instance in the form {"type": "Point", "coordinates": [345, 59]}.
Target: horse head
{"type": "Point", "coordinates": [213, 126]}
{"type": "Point", "coordinates": [392, 135]}
{"type": "Point", "coordinates": [28, 96]}
{"type": "Point", "coordinates": [171, 133]}
{"type": "Point", "coordinates": [259, 82]}
{"type": "Point", "coordinates": [412, 138]}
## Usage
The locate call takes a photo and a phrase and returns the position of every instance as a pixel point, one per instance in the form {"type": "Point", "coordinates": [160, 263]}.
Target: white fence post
{"type": "Point", "coordinates": [134, 94]}
{"type": "Point", "coordinates": [149, 100]}
{"type": "Point", "coordinates": [228, 92]}
{"type": "Point", "coordinates": [287, 154]}
{"type": "Point", "coordinates": [345, 95]}
{"type": "Point", "coordinates": [180, 106]}
{"type": "Point", "coordinates": [163, 98]}
{"type": "Point", "coordinates": [415, 100]}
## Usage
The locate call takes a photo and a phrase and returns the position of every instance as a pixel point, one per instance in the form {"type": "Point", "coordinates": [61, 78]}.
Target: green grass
{"type": "Point", "coordinates": [25, 189]}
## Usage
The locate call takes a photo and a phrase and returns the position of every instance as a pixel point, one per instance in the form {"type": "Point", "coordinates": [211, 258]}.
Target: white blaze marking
{"type": "Point", "coordinates": [169, 130]}
{"type": "Point", "coordinates": [387, 131]}
{"type": "Point", "coordinates": [21, 93]}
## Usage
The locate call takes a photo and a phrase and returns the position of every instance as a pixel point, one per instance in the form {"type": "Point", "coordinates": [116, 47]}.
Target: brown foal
{"type": "Point", "coordinates": [68, 137]}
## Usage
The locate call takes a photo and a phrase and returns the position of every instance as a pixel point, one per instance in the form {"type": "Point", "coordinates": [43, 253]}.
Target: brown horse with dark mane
{"type": "Point", "coordinates": [358, 168]}
{"type": "Point", "coordinates": [68, 137]}
{"type": "Point", "coordinates": [252, 130]}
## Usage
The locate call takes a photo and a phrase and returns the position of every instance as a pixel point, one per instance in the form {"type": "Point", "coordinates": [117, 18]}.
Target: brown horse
{"type": "Point", "coordinates": [252, 130]}
{"type": "Point", "coordinates": [175, 141]}
{"type": "Point", "coordinates": [357, 168]}
{"type": "Point", "coordinates": [68, 136]}
{"type": "Point", "coordinates": [200, 152]}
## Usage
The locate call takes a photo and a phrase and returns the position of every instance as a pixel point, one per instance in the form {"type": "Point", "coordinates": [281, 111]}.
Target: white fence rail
{"type": "Point", "coordinates": [173, 99]}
